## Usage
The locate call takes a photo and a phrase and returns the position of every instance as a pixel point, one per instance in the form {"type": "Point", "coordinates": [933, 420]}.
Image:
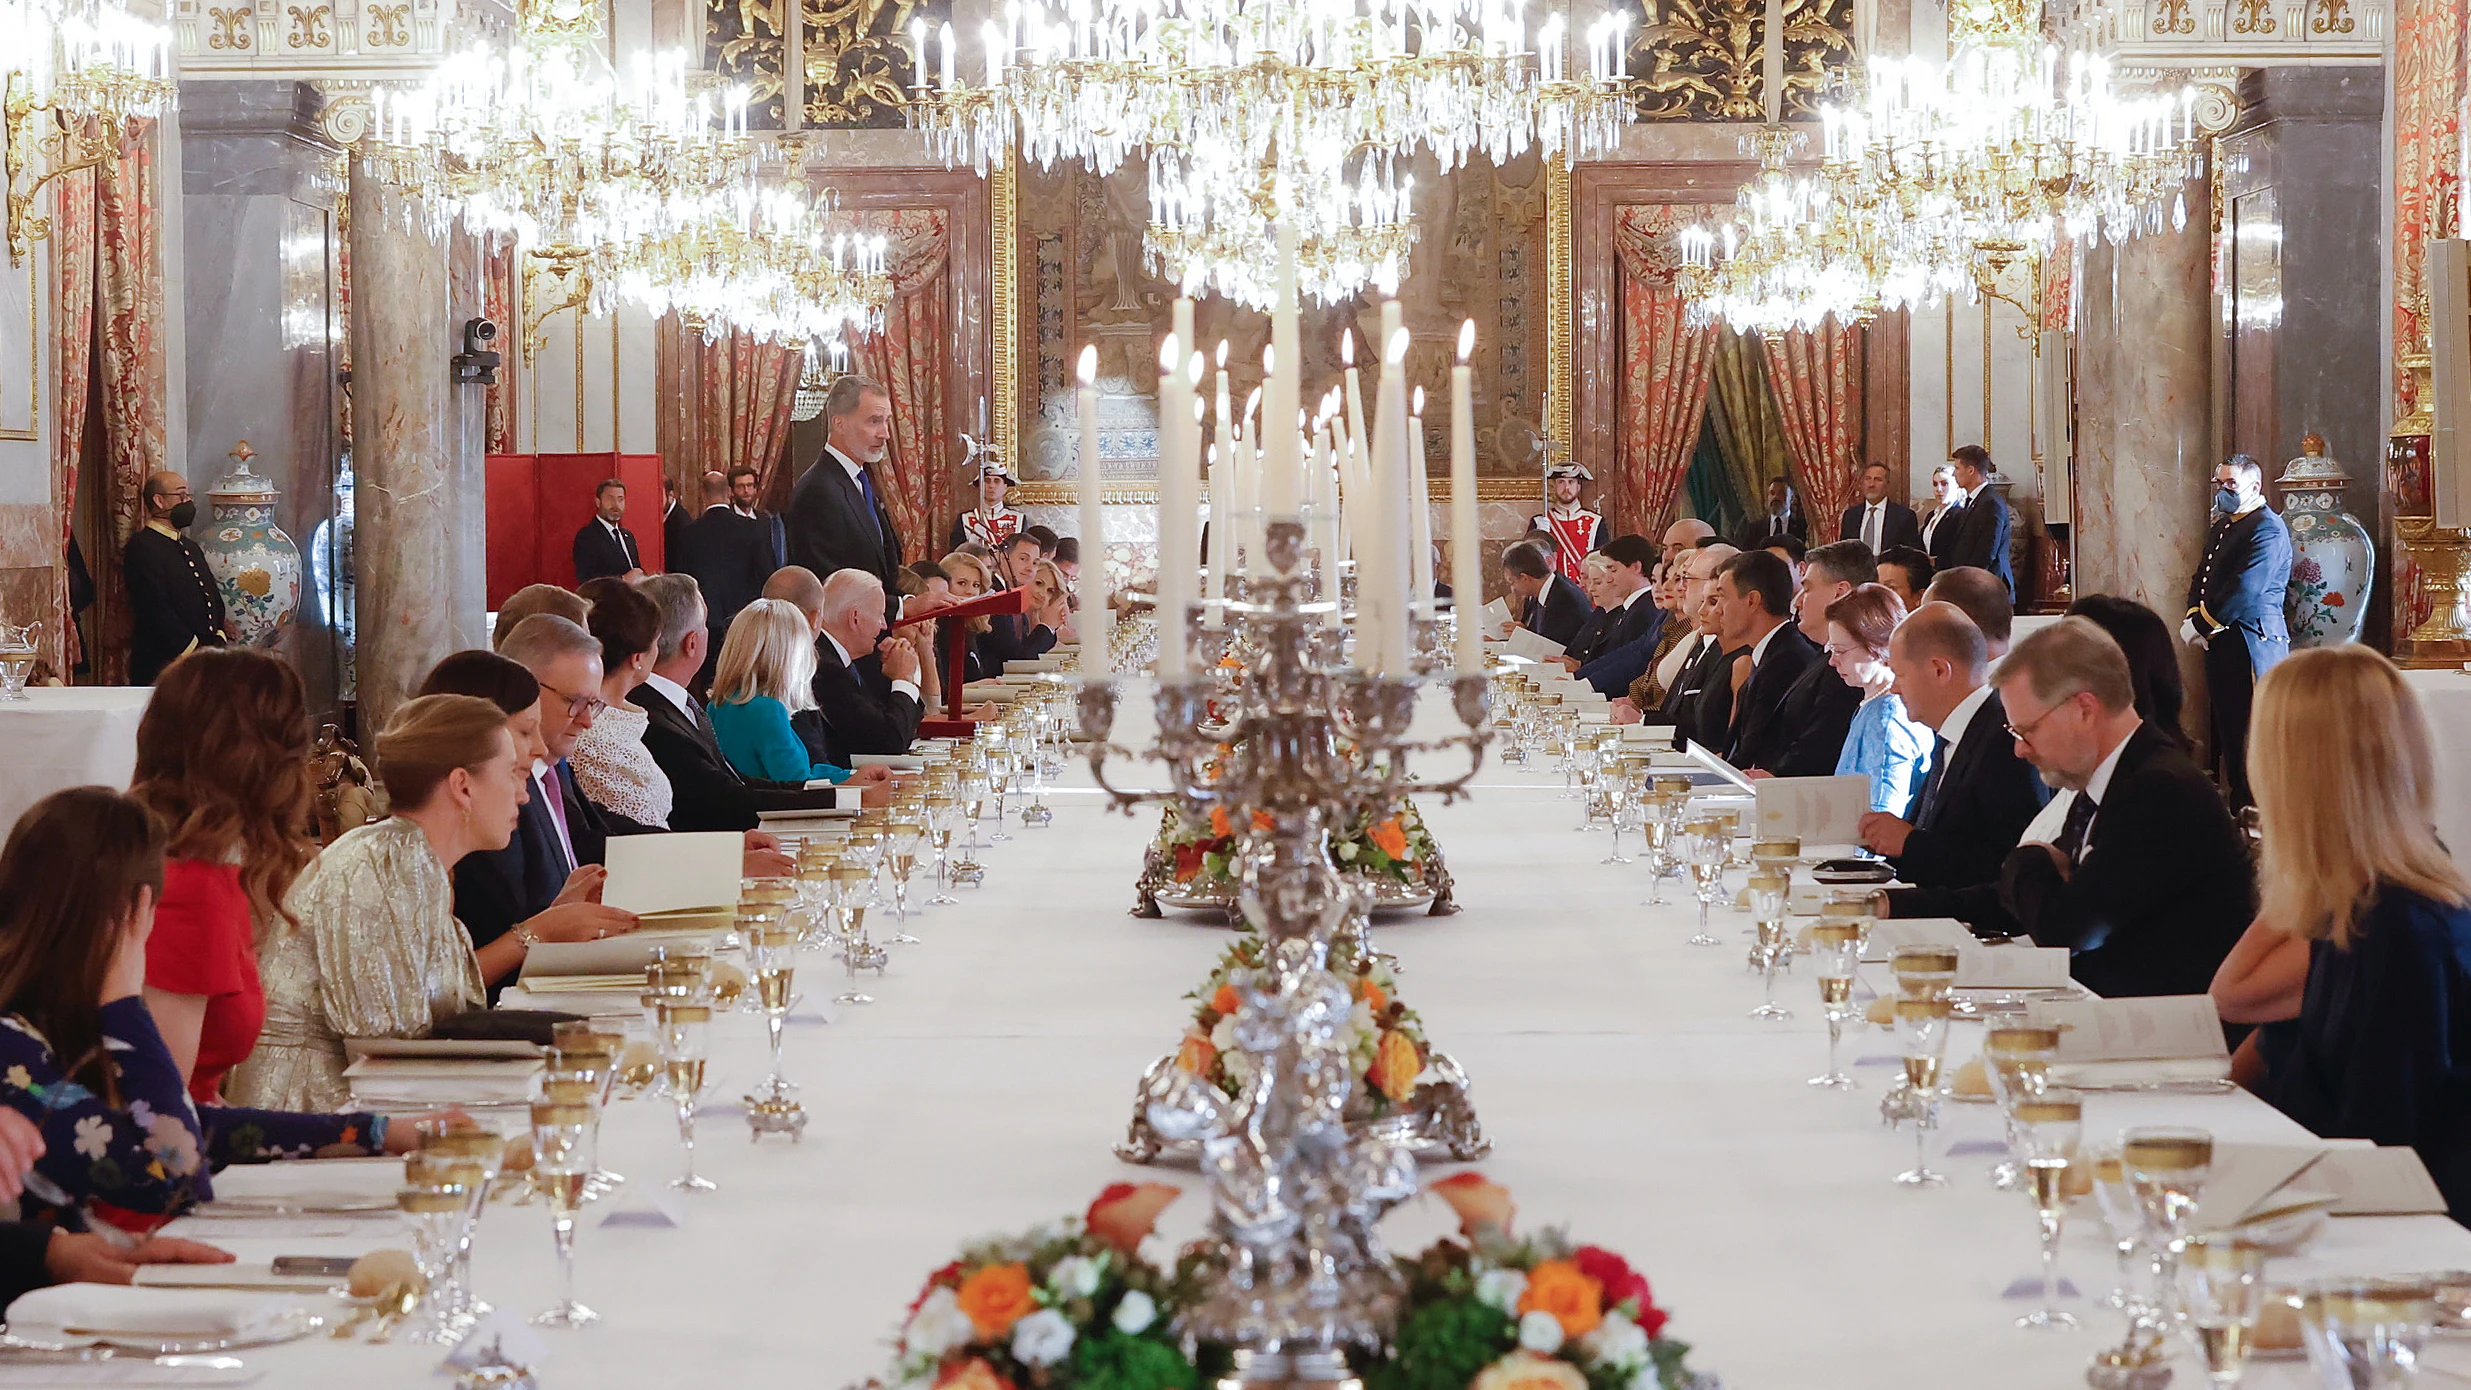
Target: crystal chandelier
{"type": "Point", "coordinates": [1213, 228]}
{"type": "Point", "coordinates": [72, 61]}
{"type": "Point", "coordinates": [768, 267]}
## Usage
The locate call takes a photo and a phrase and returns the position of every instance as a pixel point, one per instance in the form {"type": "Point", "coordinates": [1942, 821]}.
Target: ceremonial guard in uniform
{"type": "Point", "coordinates": [1575, 529]}
{"type": "Point", "coordinates": [2235, 609]}
{"type": "Point", "coordinates": [990, 523]}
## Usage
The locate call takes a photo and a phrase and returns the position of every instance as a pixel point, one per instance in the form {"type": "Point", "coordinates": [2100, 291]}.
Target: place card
{"type": "Point", "coordinates": [665, 873]}
{"type": "Point", "coordinates": [1819, 810]}
{"type": "Point", "coordinates": [2159, 1027]}
{"type": "Point", "coordinates": [2012, 967]}
{"type": "Point", "coordinates": [654, 1206]}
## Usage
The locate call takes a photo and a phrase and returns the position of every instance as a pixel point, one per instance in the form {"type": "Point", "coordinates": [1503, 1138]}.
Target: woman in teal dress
{"type": "Point", "coordinates": [765, 674]}
{"type": "Point", "coordinates": [1884, 744]}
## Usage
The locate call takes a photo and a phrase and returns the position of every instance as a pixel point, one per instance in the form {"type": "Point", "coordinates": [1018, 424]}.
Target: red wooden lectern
{"type": "Point", "coordinates": [956, 645]}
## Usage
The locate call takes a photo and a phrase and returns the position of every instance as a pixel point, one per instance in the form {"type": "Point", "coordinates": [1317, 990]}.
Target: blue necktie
{"type": "Point", "coordinates": [875, 511]}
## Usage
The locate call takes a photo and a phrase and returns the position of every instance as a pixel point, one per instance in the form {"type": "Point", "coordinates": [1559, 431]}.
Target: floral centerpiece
{"type": "Point", "coordinates": [1069, 1306]}
{"type": "Point", "coordinates": [1385, 1038]}
{"type": "Point", "coordinates": [1494, 1311]}
{"type": "Point", "coordinates": [1393, 849]}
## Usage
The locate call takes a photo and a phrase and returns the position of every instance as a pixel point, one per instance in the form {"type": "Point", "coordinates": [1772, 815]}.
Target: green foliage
{"type": "Point", "coordinates": [1117, 1361]}
{"type": "Point", "coordinates": [1444, 1345]}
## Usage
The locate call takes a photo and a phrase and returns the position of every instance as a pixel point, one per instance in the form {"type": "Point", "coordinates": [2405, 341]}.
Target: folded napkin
{"type": "Point", "coordinates": [244, 1276]}
{"type": "Point", "coordinates": [69, 1312]}
{"type": "Point", "coordinates": [312, 1184]}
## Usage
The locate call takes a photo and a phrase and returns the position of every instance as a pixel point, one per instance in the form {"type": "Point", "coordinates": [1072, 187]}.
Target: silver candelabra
{"type": "Point", "coordinates": [1296, 1190]}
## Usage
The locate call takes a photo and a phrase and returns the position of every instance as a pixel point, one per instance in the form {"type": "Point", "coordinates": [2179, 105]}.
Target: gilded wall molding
{"type": "Point", "coordinates": [1557, 304]}
{"type": "Point", "coordinates": [1004, 296]}
{"type": "Point", "coordinates": [1524, 491]}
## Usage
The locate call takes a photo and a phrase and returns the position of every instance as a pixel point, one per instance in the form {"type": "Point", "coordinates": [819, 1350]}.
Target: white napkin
{"type": "Point", "coordinates": [312, 1184]}
{"type": "Point", "coordinates": [67, 1312]}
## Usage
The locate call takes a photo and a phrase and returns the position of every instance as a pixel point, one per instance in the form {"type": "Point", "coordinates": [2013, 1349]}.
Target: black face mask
{"type": "Point", "coordinates": [2226, 500]}
{"type": "Point", "coordinates": [181, 514]}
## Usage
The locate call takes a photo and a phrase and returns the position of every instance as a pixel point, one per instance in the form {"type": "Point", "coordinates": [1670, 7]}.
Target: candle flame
{"type": "Point", "coordinates": [1167, 355]}
{"type": "Point", "coordinates": [1222, 353]}
{"type": "Point", "coordinates": [1347, 349]}
{"type": "Point", "coordinates": [1089, 364]}
{"type": "Point", "coordinates": [1192, 372]}
{"type": "Point", "coordinates": [1398, 348]}
{"type": "Point", "coordinates": [1269, 359]}
{"type": "Point", "coordinates": [1418, 407]}
{"type": "Point", "coordinates": [1467, 338]}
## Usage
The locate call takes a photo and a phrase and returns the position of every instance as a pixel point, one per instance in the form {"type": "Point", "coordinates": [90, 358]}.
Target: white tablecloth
{"type": "Point", "coordinates": [66, 736]}
{"type": "Point", "coordinates": [2446, 695]}
{"type": "Point", "coordinates": [1626, 1093]}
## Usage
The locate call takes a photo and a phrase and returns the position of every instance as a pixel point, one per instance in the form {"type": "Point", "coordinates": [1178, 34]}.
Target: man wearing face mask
{"type": "Point", "coordinates": [174, 602]}
{"type": "Point", "coordinates": [2235, 609]}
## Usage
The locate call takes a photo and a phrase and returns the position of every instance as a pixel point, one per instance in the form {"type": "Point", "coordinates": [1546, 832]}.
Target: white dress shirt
{"type": "Point", "coordinates": [673, 692]}
{"type": "Point", "coordinates": [1874, 524]}
{"type": "Point", "coordinates": [905, 687]}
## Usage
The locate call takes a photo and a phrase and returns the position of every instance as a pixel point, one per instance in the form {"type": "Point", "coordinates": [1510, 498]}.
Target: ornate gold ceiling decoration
{"type": "Point", "coordinates": [1704, 60]}
{"type": "Point", "coordinates": [850, 62]}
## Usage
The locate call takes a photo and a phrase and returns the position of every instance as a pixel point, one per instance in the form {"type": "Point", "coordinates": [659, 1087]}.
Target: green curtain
{"type": "Point", "coordinates": [1710, 483]}
{"type": "Point", "coordinates": [1748, 428]}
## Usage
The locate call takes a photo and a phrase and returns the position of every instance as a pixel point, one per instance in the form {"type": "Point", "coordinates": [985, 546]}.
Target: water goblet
{"type": "Point", "coordinates": [583, 1040]}
{"type": "Point", "coordinates": [1922, 1028]}
{"type": "Point", "coordinates": [1656, 813]}
{"type": "Point", "coordinates": [1834, 945]}
{"type": "Point", "coordinates": [2166, 1167]}
{"type": "Point", "coordinates": [901, 843]}
{"type": "Point", "coordinates": [772, 956]}
{"type": "Point", "coordinates": [943, 815]}
{"type": "Point", "coordinates": [2017, 1059]}
{"type": "Point", "coordinates": [562, 1168]}
{"type": "Point", "coordinates": [1923, 972]}
{"type": "Point", "coordinates": [471, 1156]}
{"type": "Point", "coordinates": [2221, 1296]}
{"type": "Point", "coordinates": [2366, 1334]}
{"type": "Point", "coordinates": [1768, 887]}
{"type": "Point", "coordinates": [2050, 1126]}
{"type": "Point", "coordinates": [434, 1207]}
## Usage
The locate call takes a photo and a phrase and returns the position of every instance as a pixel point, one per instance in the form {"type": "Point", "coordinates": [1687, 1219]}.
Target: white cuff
{"type": "Point", "coordinates": [909, 688]}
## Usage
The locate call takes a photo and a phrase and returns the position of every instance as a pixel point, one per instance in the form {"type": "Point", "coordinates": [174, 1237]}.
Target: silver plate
{"type": "Point", "coordinates": [300, 1323]}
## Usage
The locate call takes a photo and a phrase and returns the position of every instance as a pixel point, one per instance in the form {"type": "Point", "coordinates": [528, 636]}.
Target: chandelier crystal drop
{"type": "Point", "coordinates": [1213, 228]}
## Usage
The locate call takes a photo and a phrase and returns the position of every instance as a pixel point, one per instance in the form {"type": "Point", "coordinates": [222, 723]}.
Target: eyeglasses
{"type": "Point", "coordinates": [577, 706]}
{"type": "Point", "coordinates": [2023, 733]}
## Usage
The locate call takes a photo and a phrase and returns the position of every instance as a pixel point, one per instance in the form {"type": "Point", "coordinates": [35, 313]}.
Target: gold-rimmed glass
{"type": "Point", "coordinates": [2017, 1059]}
{"type": "Point", "coordinates": [943, 819]}
{"type": "Point", "coordinates": [1705, 842]}
{"type": "Point", "coordinates": [1924, 971]}
{"type": "Point", "coordinates": [683, 1031]}
{"type": "Point", "coordinates": [902, 839]}
{"type": "Point", "coordinates": [433, 1204]}
{"type": "Point", "coordinates": [2367, 1334]}
{"type": "Point", "coordinates": [2221, 1297]}
{"type": "Point", "coordinates": [858, 952]}
{"type": "Point", "coordinates": [2050, 1126]}
{"type": "Point", "coordinates": [1833, 949]}
{"type": "Point", "coordinates": [471, 1157]}
{"type": "Point", "coordinates": [773, 956]}
{"type": "Point", "coordinates": [1657, 813]}
{"type": "Point", "coordinates": [1768, 889]}
{"type": "Point", "coordinates": [562, 1143]}
{"type": "Point", "coordinates": [1922, 1031]}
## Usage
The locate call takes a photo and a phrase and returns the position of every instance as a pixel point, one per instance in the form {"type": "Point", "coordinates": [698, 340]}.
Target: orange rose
{"type": "Point", "coordinates": [1195, 1055]}
{"type": "Point", "coordinates": [1218, 822]}
{"type": "Point", "coordinates": [1371, 993]}
{"type": "Point", "coordinates": [1558, 1287]}
{"type": "Point", "coordinates": [1396, 1064]}
{"type": "Point", "coordinates": [974, 1374]}
{"type": "Point", "coordinates": [996, 1297]}
{"type": "Point", "coordinates": [1524, 1370]}
{"type": "Point", "coordinates": [1226, 1000]}
{"type": "Point", "coordinates": [1264, 821]}
{"type": "Point", "coordinates": [1479, 1202]}
{"type": "Point", "coordinates": [1124, 1214]}
{"type": "Point", "coordinates": [1390, 838]}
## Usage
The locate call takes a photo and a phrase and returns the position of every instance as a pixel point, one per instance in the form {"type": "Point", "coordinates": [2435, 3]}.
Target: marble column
{"type": "Point", "coordinates": [2144, 420]}
{"type": "Point", "coordinates": [420, 509]}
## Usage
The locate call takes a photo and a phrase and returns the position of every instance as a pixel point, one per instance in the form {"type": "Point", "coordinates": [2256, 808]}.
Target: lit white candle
{"type": "Point", "coordinates": [1381, 582]}
{"type": "Point", "coordinates": [1466, 566]}
{"type": "Point", "coordinates": [1177, 504]}
{"type": "Point", "coordinates": [1248, 486]}
{"type": "Point", "coordinates": [1222, 536]}
{"type": "Point", "coordinates": [1093, 580]}
{"type": "Point", "coordinates": [1325, 523]}
{"type": "Point", "coordinates": [1356, 441]}
{"type": "Point", "coordinates": [1420, 511]}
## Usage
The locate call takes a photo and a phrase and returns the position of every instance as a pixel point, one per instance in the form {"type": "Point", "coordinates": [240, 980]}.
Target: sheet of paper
{"type": "Point", "coordinates": [1817, 809]}
{"type": "Point", "coordinates": [2118, 1030]}
{"type": "Point", "coordinates": [1495, 614]}
{"type": "Point", "coordinates": [1888, 936]}
{"type": "Point", "coordinates": [2012, 967]}
{"type": "Point", "coordinates": [623, 956]}
{"type": "Point", "coordinates": [1709, 759]}
{"type": "Point", "coordinates": [357, 1048]}
{"type": "Point", "coordinates": [2244, 1176]}
{"type": "Point", "coordinates": [663, 873]}
{"type": "Point", "coordinates": [1533, 645]}
{"type": "Point", "coordinates": [2373, 1181]}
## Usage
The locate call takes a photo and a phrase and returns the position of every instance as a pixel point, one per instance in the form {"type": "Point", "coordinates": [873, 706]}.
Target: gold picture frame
{"type": "Point", "coordinates": [30, 365]}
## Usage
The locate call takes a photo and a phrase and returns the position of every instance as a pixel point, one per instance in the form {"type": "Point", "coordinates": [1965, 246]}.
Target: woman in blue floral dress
{"type": "Point", "coordinates": [79, 1054]}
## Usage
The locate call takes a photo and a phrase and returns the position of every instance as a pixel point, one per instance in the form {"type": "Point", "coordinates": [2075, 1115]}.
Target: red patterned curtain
{"type": "Point", "coordinates": [1817, 380]}
{"type": "Point", "coordinates": [72, 355]}
{"type": "Point", "coordinates": [913, 357]}
{"type": "Point", "coordinates": [1663, 392]}
{"type": "Point", "coordinates": [497, 291]}
{"type": "Point", "coordinates": [736, 391]}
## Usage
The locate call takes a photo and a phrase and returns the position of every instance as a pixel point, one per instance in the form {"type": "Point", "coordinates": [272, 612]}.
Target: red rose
{"type": "Point", "coordinates": [949, 1277]}
{"type": "Point", "coordinates": [1622, 1284]}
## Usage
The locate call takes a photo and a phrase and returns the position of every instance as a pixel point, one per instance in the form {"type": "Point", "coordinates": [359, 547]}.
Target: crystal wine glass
{"type": "Point", "coordinates": [2050, 1125]}
{"type": "Point", "coordinates": [562, 1167]}
{"type": "Point", "coordinates": [683, 1032]}
{"type": "Point", "coordinates": [1656, 813]}
{"type": "Point", "coordinates": [773, 957]}
{"type": "Point", "coordinates": [1834, 945]}
{"type": "Point", "coordinates": [434, 1207]}
{"type": "Point", "coordinates": [943, 813]}
{"type": "Point", "coordinates": [901, 842]}
{"type": "Point", "coordinates": [2018, 1060]}
{"type": "Point", "coordinates": [2221, 1296]}
{"type": "Point", "coordinates": [2366, 1334]}
{"type": "Point", "coordinates": [1768, 888]}
{"type": "Point", "coordinates": [1922, 1028]}
{"type": "Point", "coordinates": [1703, 848]}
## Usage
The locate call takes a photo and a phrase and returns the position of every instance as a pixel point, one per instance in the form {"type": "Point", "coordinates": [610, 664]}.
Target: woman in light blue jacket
{"type": "Point", "coordinates": [1884, 744]}
{"type": "Point", "coordinates": [764, 675]}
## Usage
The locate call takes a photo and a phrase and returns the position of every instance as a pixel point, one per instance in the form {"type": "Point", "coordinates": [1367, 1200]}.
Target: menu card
{"type": "Point", "coordinates": [1821, 810]}
{"type": "Point", "coordinates": [2012, 967]}
{"type": "Point", "coordinates": [666, 873]}
{"type": "Point", "coordinates": [2166, 1026]}
{"type": "Point", "coordinates": [2368, 1180]}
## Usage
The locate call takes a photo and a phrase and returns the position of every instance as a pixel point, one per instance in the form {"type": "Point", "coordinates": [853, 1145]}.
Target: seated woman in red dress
{"type": "Point", "coordinates": [222, 764]}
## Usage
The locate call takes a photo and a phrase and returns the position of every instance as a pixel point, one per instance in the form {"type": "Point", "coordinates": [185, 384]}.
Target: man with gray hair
{"type": "Point", "coordinates": [706, 793]}
{"type": "Point", "coordinates": [837, 518]}
{"type": "Point", "coordinates": [2147, 884]}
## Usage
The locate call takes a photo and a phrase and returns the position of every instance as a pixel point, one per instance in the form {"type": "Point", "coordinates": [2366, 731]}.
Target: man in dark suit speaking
{"type": "Point", "coordinates": [837, 519]}
{"type": "Point", "coordinates": [603, 548]}
{"type": "Point", "coordinates": [1876, 520]}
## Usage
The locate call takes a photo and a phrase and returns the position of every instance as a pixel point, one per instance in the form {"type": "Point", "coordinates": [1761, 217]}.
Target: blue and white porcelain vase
{"type": "Point", "coordinates": [2333, 560]}
{"type": "Point", "coordinates": [257, 565]}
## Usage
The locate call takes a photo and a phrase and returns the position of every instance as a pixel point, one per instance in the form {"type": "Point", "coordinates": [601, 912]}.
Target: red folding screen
{"type": "Point", "coordinates": [537, 502]}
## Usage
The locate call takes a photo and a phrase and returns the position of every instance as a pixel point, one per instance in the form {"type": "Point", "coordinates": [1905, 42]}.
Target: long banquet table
{"type": "Point", "coordinates": [1626, 1093]}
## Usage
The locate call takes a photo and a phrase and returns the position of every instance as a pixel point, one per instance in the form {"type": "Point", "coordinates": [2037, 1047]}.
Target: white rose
{"type": "Point", "coordinates": [939, 1325]}
{"type": "Point", "coordinates": [1075, 1277]}
{"type": "Point", "coordinates": [1347, 851]}
{"type": "Point", "coordinates": [1539, 1332]}
{"type": "Point", "coordinates": [1135, 1313]}
{"type": "Point", "coordinates": [1222, 1036]}
{"type": "Point", "coordinates": [1042, 1339]}
{"type": "Point", "coordinates": [1501, 1289]}
{"type": "Point", "coordinates": [1617, 1341]}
